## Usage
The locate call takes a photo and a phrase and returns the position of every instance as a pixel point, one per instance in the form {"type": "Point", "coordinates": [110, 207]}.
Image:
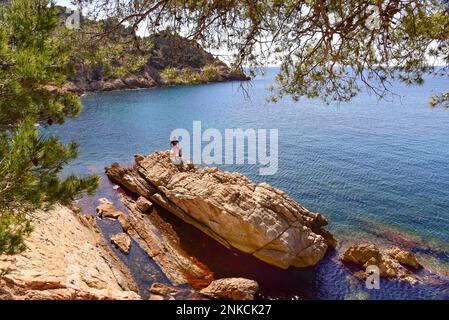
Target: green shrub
{"type": "Point", "coordinates": [210, 73]}
{"type": "Point", "coordinates": [169, 75]}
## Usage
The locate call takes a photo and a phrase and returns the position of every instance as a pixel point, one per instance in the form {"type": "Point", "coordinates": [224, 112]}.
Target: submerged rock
{"type": "Point", "coordinates": [108, 210]}
{"type": "Point", "coordinates": [232, 288]}
{"type": "Point", "coordinates": [390, 262]}
{"type": "Point", "coordinates": [122, 242]}
{"type": "Point", "coordinates": [257, 219]}
{"type": "Point", "coordinates": [66, 258]}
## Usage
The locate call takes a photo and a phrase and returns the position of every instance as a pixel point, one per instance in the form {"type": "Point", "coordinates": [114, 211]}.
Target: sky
{"type": "Point", "coordinates": [64, 3]}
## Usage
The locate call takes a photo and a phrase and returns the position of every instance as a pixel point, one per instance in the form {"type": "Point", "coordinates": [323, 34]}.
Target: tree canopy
{"type": "Point", "coordinates": [33, 67]}
{"type": "Point", "coordinates": [330, 49]}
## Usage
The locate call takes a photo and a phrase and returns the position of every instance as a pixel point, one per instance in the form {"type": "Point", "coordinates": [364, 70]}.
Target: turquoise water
{"type": "Point", "coordinates": [376, 169]}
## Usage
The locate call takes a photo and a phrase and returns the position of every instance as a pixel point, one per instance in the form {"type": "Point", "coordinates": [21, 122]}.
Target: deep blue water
{"type": "Point", "coordinates": [376, 169]}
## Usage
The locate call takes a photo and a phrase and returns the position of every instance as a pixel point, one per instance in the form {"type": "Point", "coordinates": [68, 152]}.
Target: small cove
{"type": "Point", "coordinates": [376, 169]}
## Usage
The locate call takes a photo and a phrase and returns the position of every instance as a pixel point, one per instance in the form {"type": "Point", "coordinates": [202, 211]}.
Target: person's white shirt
{"type": "Point", "coordinates": [176, 154]}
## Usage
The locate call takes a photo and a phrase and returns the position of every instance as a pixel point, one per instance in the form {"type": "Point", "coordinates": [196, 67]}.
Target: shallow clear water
{"type": "Point", "coordinates": [376, 169]}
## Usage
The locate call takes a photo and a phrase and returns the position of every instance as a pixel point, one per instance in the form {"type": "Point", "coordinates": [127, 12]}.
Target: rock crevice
{"type": "Point", "coordinates": [157, 238]}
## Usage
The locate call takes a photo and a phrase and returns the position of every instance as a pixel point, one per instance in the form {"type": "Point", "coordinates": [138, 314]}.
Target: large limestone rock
{"type": "Point", "coordinates": [232, 289]}
{"type": "Point", "coordinates": [222, 289]}
{"type": "Point", "coordinates": [83, 82]}
{"type": "Point", "coordinates": [254, 218]}
{"type": "Point", "coordinates": [66, 258]}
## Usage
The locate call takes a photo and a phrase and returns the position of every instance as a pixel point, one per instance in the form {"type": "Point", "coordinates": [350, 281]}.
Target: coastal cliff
{"type": "Point", "coordinates": [66, 259]}
{"type": "Point", "coordinates": [256, 219]}
{"type": "Point", "coordinates": [170, 60]}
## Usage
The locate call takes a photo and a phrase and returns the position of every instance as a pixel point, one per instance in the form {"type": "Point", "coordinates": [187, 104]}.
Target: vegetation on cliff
{"type": "Point", "coordinates": [164, 58]}
{"type": "Point", "coordinates": [171, 75]}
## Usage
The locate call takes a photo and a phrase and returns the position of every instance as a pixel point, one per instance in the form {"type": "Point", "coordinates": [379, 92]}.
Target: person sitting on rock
{"type": "Point", "coordinates": [175, 151]}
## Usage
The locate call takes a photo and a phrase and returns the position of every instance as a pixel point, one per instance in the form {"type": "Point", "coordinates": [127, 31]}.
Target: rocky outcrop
{"type": "Point", "coordinates": [232, 289]}
{"type": "Point", "coordinates": [122, 242]}
{"type": "Point", "coordinates": [257, 219]}
{"type": "Point", "coordinates": [390, 262]}
{"type": "Point", "coordinates": [158, 239]}
{"type": "Point", "coordinates": [404, 257]}
{"type": "Point", "coordinates": [167, 51]}
{"type": "Point", "coordinates": [369, 254]}
{"type": "Point", "coordinates": [66, 258]}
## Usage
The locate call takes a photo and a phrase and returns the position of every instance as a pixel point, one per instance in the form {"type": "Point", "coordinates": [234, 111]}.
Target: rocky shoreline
{"type": "Point", "coordinates": [148, 78]}
{"type": "Point", "coordinates": [67, 257]}
{"type": "Point", "coordinates": [172, 60]}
